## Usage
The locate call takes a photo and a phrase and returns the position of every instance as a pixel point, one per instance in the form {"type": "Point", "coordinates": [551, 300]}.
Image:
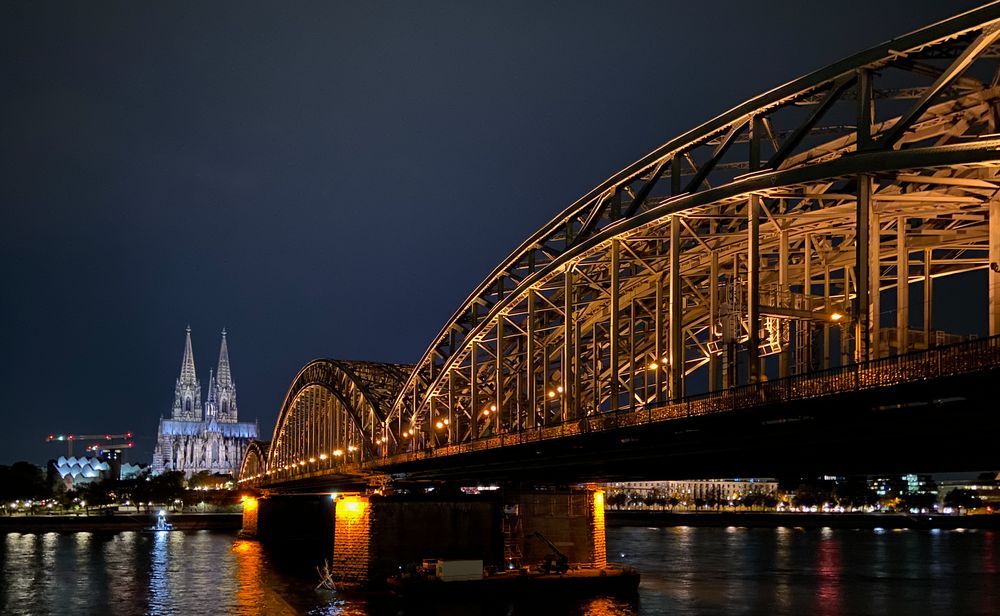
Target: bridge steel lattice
{"type": "Point", "coordinates": [331, 418]}
{"type": "Point", "coordinates": [796, 234]}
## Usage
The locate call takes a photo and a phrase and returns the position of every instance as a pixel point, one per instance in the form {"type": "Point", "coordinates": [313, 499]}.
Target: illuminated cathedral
{"type": "Point", "coordinates": [203, 437]}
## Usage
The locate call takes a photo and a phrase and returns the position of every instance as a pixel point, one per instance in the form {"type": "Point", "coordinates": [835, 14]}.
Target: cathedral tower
{"type": "Point", "coordinates": [187, 393]}
{"type": "Point", "coordinates": [225, 387]}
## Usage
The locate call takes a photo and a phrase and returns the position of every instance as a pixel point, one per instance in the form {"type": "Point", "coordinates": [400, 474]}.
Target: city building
{"type": "Point", "coordinates": [203, 437]}
{"type": "Point", "coordinates": [691, 489]}
{"type": "Point", "coordinates": [74, 471]}
{"type": "Point", "coordinates": [986, 487]}
{"type": "Point", "coordinates": [903, 485]}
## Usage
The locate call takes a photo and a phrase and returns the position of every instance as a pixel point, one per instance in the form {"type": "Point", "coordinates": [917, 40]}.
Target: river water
{"type": "Point", "coordinates": [684, 570]}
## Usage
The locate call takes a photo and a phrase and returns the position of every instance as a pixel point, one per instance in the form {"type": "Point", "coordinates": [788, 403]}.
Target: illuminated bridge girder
{"type": "Point", "coordinates": [254, 461]}
{"type": "Point", "coordinates": [332, 418]}
{"type": "Point", "coordinates": [802, 230]}
{"type": "Point", "coordinates": [792, 233]}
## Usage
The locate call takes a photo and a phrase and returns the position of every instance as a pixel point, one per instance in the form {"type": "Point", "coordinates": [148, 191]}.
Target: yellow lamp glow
{"type": "Point", "coordinates": [351, 507]}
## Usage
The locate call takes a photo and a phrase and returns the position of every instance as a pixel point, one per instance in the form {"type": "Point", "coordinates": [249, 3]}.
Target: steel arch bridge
{"type": "Point", "coordinates": [796, 234]}
{"type": "Point", "coordinates": [331, 417]}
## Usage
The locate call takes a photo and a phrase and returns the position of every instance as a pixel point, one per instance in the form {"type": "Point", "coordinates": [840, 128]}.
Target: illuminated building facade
{"type": "Point", "coordinates": [723, 489]}
{"type": "Point", "coordinates": [203, 437]}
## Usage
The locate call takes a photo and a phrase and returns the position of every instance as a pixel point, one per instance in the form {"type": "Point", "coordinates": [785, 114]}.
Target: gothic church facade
{"type": "Point", "coordinates": [203, 437]}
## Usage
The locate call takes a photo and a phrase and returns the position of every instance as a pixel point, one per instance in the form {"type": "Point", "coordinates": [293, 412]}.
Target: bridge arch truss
{"type": "Point", "coordinates": [333, 415]}
{"type": "Point", "coordinates": [802, 229]}
{"type": "Point", "coordinates": [254, 463]}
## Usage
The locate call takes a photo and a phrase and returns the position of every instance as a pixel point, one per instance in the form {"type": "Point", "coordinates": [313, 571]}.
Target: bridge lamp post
{"type": "Point", "coordinates": [553, 394]}
{"type": "Point", "coordinates": [652, 367]}
{"type": "Point", "coordinates": [441, 424]}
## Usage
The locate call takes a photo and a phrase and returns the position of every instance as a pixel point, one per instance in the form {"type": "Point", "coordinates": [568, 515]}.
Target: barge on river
{"type": "Point", "coordinates": [610, 580]}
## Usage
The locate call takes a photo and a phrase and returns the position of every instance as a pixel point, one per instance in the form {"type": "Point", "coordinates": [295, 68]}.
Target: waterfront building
{"type": "Point", "coordinates": [721, 489]}
{"type": "Point", "coordinates": [903, 485]}
{"type": "Point", "coordinates": [986, 487]}
{"type": "Point", "coordinates": [74, 471]}
{"type": "Point", "coordinates": [203, 437]}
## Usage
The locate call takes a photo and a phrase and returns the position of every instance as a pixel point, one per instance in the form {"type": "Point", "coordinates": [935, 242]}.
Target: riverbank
{"type": "Point", "coordinates": [117, 523]}
{"type": "Point", "coordinates": [757, 519]}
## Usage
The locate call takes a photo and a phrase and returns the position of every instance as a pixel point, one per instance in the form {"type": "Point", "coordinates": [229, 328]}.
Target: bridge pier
{"type": "Point", "coordinates": [298, 525]}
{"type": "Point", "coordinates": [375, 536]}
{"type": "Point", "coordinates": [572, 520]}
{"type": "Point", "coordinates": [250, 509]}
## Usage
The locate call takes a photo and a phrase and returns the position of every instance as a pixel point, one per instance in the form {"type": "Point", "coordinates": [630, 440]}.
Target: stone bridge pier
{"type": "Point", "coordinates": [367, 538]}
{"type": "Point", "coordinates": [296, 525]}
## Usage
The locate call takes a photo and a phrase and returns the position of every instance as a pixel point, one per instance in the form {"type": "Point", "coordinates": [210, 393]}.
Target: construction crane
{"type": "Point", "coordinates": [107, 441]}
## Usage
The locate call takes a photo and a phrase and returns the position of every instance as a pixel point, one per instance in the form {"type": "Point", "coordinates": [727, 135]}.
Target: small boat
{"type": "Point", "coordinates": [161, 524]}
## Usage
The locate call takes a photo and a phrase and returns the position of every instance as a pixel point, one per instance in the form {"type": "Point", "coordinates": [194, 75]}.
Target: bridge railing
{"type": "Point", "coordinates": [966, 357]}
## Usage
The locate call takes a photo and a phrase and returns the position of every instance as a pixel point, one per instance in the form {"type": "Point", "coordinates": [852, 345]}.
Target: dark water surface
{"type": "Point", "coordinates": [685, 571]}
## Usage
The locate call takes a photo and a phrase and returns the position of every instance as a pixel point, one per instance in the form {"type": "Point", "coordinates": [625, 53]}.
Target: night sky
{"type": "Point", "coordinates": [323, 179]}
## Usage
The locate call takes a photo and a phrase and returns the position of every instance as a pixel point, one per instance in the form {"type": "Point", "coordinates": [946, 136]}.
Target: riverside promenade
{"type": "Point", "coordinates": [117, 522]}
{"type": "Point", "coordinates": [766, 519]}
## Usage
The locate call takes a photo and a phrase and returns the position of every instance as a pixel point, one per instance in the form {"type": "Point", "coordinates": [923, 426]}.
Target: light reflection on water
{"type": "Point", "coordinates": [822, 571]}
{"type": "Point", "coordinates": [685, 570]}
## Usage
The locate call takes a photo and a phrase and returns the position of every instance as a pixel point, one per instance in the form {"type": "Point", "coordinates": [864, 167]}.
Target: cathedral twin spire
{"type": "Point", "coordinates": [221, 402]}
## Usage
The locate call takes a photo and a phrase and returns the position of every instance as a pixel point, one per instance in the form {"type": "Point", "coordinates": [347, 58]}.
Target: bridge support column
{"type": "Point", "coordinates": [250, 509]}
{"type": "Point", "coordinates": [902, 288]}
{"type": "Point", "coordinates": [352, 539]}
{"type": "Point", "coordinates": [676, 337]}
{"type": "Point", "coordinates": [928, 296]}
{"type": "Point", "coordinates": [866, 300]}
{"type": "Point", "coordinates": [994, 270]}
{"type": "Point", "coordinates": [572, 520]}
{"type": "Point", "coordinates": [375, 536]}
{"type": "Point", "coordinates": [753, 289]}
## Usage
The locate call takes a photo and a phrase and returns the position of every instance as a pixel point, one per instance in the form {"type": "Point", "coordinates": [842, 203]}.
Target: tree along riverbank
{"type": "Point", "coordinates": [757, 519]}
{"type": "Point", "coordinates": [117, 523]}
